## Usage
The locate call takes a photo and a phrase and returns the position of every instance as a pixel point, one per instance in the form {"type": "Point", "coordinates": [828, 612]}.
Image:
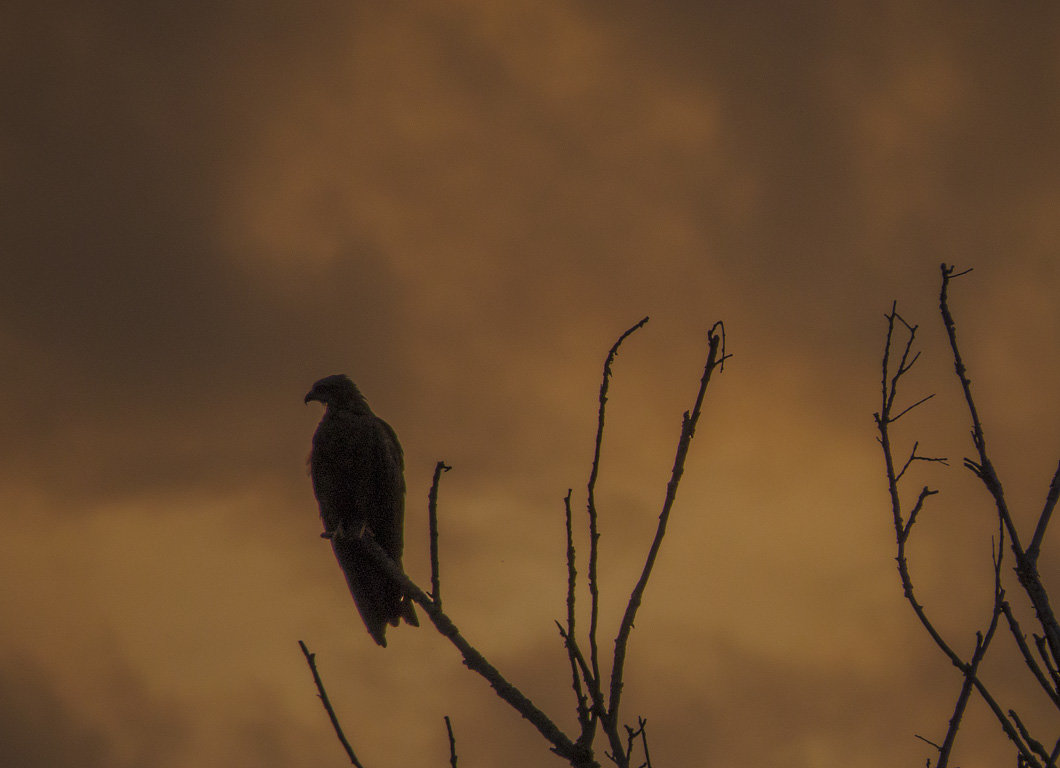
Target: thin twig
{"type": "Point", "coordinates": [642, 722]}
{"type": "Point", "coordinates": [323, 696]}
{"type": "Point", "coordinates": [1028, 657]}
{"type": "Point", "coordinates": [982, 644]}
{"type": "Point", "coordinates": [1043, 652]}
{"type": "Point", "coordinates": [913, 456]}
{"type": "Point", "coordinates": [1043, 519]}
{"type": "Point", "coordinates": [929, 741]}
{"type": "Point", "coordinates": [452, 742]}
{"type": "Point", "coordinates": [688, 429]}
{"type": "Point", "coordinates": [432, 522]}
{"type": "Point", "coordinates": [1034, 744]}
{"type": "Point", "coordinates": [889, 389]}
{"type": "Point", "coordinates": [594, 533]}
{"type": "Point", "coordinates": [585, 718]}
{"type": "Point", "coordinates": [631, 736]}
{"type": "Point", "coordinates": [583, 666]}
{"type": "Point", "coordinates": [984, 468]}
{"type": "Point", "coordinates": [1026, 567]}
{"type": "Point", "coordinates": [921, 401]}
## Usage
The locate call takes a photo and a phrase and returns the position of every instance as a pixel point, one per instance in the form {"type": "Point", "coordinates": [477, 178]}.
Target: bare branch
{"type": "Point", "coordinates": [591, 708]}
{"type": "Point", "coordinates": [452, 742]}
{"type": "Point", "coordinates": [1043, 651]}
{"type": "Point", "coordinates": [323, 696]}
{"type": "Point", "coordinates": [1028, 657]}
{"type": "Point", "coordinates": [1043, 519]}
{"type": "Point", "coordinates": [888, 392]}
{"type": "Point", "coordinates": [981, 645]}
{"type": "Point", "coordinates": [924, 493]}
{"type": "Point", "coordinates": [432, 521]}
{"type": "Point", "coordinates": [594, 533]}
{"type": "Point", "coordinates": [913, 456]}
{"type": "Point", "coordinates": [632, 734]}
{"type": "Point", "coordinates": [594, 689]}
{"type": "Point", "coordinates": [688, 429]}
{"type": "Point", "coordinates": [562, 745]}
{"type": "Point", "coordinates": [889, 382]}
{"type": "Point", "coordinates": [889, 388]}
{"type": "Point", "coordinates": [983, 469]}
{"type": "Point", "coordinates": [921, 401]}
{"type": "Point", "coordinates": [586, 720]}
{"type": "Point", "coordinates": [643, 730]}
{"type": "Point", "coordinates": [929, 741]}
{"type": "Point", "coordinates": [1030, 752]}
{"type": "Point", "coordinates": [1033, 743]}
{"type": "Point", "coordinates": [1026, 567]}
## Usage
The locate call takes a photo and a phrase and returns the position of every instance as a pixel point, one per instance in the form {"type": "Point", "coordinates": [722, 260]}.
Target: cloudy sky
{"type": "Point", "coordinates": [205, 207]}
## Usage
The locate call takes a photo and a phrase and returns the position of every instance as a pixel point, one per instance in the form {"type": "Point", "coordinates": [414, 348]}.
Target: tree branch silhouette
{"type": "Point", "coordinates": [452, 742]}
{"type": "Point", "coordinates": [594, 533]}
{"type": "Point", "coordinates": [323, 696]}
{"type": "Point", "coordinates": [592, 708]}
{"type": "Point", "coordinates": [432, 518]}
{"type": "Point", "coordinates": [899, 343]}
{"type": "Point", "coordinates": [688, 431]}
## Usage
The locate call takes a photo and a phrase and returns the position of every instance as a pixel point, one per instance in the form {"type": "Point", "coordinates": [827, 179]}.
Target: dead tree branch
{"type": "Point", "coordinates": [594, 533]}
{"type": "Point", "coordinates": [1026, 565]}
{"type": "Point", "coordinates": [562, 744]}
{"type": "Point", "coordinates": [432, 522]}
{"type": "Point", "coordinates": [688, 431]}
{"type": "Point", "coordinates": [578, 667]}
{"type": "Point", "coordinates": [1029, 751]}
{"type": "Point", "coordinates": [452, 742]}
{"type": "Point", "coordinates": [323, 696]}
{"type": "Point", "coordinates": [591, 706]}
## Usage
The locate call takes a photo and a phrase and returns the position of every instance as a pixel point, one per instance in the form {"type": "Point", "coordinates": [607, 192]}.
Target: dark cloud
{"type": "Point", "coordinates": [39, 729]}
{"type": "Point", "coordinates": [43, 726]}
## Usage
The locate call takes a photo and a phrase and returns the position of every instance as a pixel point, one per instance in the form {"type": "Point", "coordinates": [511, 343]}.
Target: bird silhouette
{"type": "Point", "coordinates": [357, 468]}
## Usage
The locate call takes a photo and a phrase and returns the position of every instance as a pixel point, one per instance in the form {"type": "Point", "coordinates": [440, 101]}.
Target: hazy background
{"type": "Point", "coordinates": [205, 207]}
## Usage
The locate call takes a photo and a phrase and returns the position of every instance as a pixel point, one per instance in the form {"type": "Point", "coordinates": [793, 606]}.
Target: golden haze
{"type": "Point", "coordinates": [206, 207]}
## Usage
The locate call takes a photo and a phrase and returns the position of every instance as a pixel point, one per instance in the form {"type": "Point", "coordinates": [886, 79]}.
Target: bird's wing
{"type": "Point", "coordinates": [357, 468]}
{"type": "Point", "coordinates": [389, 481]}
{"type": "Point", "coordinates": [336, 476]}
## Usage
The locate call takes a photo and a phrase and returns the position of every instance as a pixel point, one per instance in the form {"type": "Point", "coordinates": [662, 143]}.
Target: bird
{"type": "Point", "coordinates": [357, 469]}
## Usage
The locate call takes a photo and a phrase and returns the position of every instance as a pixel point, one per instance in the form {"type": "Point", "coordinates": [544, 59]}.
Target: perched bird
{"type": "Point", "coordinates": [358, 478]}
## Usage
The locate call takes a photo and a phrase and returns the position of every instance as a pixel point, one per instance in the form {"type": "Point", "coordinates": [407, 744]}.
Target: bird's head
{"type": "Point", "coordinates": [338, 392]}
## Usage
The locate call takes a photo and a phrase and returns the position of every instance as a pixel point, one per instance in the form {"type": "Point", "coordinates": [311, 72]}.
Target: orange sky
{"type": "Point", "coordinates": [206, 207]}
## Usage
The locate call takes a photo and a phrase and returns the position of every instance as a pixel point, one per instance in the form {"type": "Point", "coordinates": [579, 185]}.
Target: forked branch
{"type": "Point", "coordinates": [1030, 751]}
{"type": "Point", "coordinates": [593, 706]}
{"type": "Point", "coordinates": [1026, 562]}
{"type": "Point", "coordinates": [594, 533]}
{"type": "Point", "coordinates": [715, 357]}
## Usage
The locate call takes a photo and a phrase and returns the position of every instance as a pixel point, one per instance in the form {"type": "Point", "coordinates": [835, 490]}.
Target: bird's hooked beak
{"type": "Point", "coordinates": [313, 395]}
